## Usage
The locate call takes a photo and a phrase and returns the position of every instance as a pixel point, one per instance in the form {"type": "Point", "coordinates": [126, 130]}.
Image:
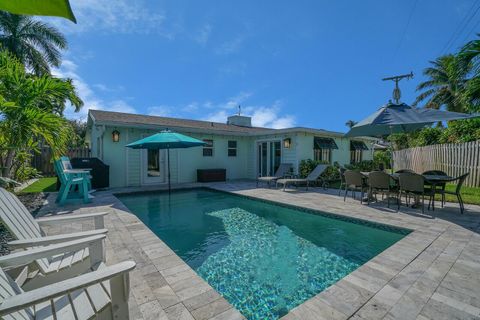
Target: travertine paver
{"type": "Point", "coordinates": [430, 274]}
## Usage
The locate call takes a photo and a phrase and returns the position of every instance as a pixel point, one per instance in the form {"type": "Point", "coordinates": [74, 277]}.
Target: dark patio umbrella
{"type": "Point", "coordinates": [166, 140]}
{"type": "Point", "coordinates": [401, 118]}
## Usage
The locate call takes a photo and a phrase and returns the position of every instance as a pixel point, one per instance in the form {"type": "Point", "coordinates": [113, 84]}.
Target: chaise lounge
{"type": "Point", "coordinates": [282, 170]}
{"type": "Point", "coordinates": [312, 177]}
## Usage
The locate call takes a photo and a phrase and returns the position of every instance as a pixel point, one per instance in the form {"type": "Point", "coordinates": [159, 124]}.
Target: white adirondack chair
{"type": "Point", "coordinates": [27, 229]}
{"type": "Point", "coordinates": [101, 294]}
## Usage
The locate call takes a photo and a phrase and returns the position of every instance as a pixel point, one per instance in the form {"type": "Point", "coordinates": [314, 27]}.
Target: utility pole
{"type": "Point", "coordinates": [396, 92]}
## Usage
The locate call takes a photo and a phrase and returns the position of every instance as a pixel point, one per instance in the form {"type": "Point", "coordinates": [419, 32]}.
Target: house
{"type": "Point", "coordinates": [243, 150]}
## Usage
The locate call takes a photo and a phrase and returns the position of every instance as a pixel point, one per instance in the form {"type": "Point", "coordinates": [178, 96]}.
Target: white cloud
{"type": "Point", "coordinates": [204, 34]}
{"type": "Point", "coordinates": [231, 46]}
{"type": "Point", "coordinates": [105, 88]}
{"type": "Point", "coordinates": [235, 101]}
{"type": "Point", "coordinates": [120, 16]}
{"type": "Point", "coordinates": [68, 69]}
{"type": "Point", "coordinates": [269, 117]}
{"type": "Point", "coordinates": [191, 107]}
{"type": "Point", "coordinates": [119, 106]}
{"type": "Point", "coordinates": [262, 116]}
{"type": "Point", "coordinates": [161, 111]}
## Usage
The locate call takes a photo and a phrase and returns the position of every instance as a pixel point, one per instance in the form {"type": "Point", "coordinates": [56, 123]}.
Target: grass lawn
{"type": "Point", "coordinates": [469, 194]}
{"type": "Point", "coordinates": [42, 185]}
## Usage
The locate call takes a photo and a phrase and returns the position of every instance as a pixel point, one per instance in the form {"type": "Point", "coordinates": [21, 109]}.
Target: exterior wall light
{"type": "Point", "coordinates": [115, 136]}
{"type": "Point", "coordinates": [287, 142]}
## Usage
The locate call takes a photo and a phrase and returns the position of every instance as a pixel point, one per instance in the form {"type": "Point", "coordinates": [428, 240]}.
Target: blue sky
{"type": "Point", "coordinates": [304, 63]}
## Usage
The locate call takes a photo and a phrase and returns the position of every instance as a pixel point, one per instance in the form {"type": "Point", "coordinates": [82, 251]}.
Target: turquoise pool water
{"type": "Point", "coordinates": [265, 259]}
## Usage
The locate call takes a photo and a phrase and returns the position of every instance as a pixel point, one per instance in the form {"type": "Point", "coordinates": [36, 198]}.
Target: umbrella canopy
{"type": "Point", "coordinates": [166, 140]}
{"type": "Point", "coordinates": [401, 118]}
{"type": "Point", "coordinates": [58, 8]}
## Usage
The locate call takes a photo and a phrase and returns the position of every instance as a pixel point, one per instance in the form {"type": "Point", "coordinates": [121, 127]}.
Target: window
{"type": "Point", "coordinates": [208, 148]}
{"type": "Point", "coordinates": [356, 151]}
{"type": "Point", "coordinates": [355, 156]}
{"type": "Point", "coordinates": [232, 148]}
{"type": "Point", "coordinates": [322, 155]}
{"type": "Point", "coordinates": [322, 149]}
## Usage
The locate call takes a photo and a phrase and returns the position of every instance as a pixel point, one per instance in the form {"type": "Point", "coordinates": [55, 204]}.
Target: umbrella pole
{"type": "Point", "coordinates": [391, 151]}
{"type": "Point", "coordinates": [168, 160]}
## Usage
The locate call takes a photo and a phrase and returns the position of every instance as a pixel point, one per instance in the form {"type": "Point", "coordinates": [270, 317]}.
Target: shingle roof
{"type": "Point", "coordinates": [109, 117]}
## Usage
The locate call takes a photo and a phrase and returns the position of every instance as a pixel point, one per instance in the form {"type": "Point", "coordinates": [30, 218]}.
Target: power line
{"type": "Point", "coordinates": [461, 27]}
{"type": "Point", "coordinates": [471, 31]}
{"type": "Point", "coordinates": [405, 30]}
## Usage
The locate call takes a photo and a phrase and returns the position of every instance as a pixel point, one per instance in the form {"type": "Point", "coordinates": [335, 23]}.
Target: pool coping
{"type": "Point", "coordinates": [375, 287]}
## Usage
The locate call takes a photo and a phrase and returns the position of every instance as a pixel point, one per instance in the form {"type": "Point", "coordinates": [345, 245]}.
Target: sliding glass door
{"type": "Point", "coordinates": [269, 155]}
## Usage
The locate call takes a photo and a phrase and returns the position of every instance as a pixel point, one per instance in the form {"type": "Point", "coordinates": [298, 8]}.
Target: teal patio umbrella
{"type": "Point", "coordinates": [166, 139]}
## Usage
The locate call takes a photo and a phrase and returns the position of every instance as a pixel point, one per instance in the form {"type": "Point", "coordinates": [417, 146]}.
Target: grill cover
{"type": "Point", "coordinates": [100, 171]}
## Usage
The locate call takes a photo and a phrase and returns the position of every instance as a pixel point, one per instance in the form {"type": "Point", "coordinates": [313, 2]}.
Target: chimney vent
{"type": "Point", "coordinates": [241, 121]}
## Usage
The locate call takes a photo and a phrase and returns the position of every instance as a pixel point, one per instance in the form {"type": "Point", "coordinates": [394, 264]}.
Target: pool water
{"type": "Point", "coordinates": [264, 258]}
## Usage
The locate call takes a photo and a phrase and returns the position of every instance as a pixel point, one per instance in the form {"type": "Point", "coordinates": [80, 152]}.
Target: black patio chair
{"type": "Point", "coordinates": [413, 184]}
{"type": "Point", "coordinates": [341, 171]}
{"type": "Point", "coordinates": [439, 187]}
{"type": "Point", "coordinates": [405, 171]}
{"type": "Point", "coordinates": [380, 182]}
{"type": "Point", "coordinates": [461, 180]}
{"type": "Point", "coordinates": [354, 181]}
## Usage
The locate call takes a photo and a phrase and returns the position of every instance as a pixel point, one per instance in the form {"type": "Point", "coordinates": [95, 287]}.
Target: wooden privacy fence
{"type": "Point", "coordinates": [42, 161]}
{"type": "Point", "coordinates": [455, 159]}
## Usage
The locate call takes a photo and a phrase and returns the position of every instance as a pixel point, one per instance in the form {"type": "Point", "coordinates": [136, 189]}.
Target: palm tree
{"type": "Point", "coordinates": [28, 113]}
{"type": "Point", "coordinates": [350, 123]}
{"type": "Point", "coordinates": [469, 56]}
{"type": "Point", "coordinates": [445, 84]}
{"type": "Point", "coordinates": [36, 44]}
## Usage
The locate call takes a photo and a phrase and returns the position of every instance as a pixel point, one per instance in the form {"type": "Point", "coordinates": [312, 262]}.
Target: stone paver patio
{"type": "Point", "coordinates": [433, 273]}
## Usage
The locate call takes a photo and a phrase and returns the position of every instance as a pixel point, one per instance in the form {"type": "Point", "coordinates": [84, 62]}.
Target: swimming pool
{"type": "Point", "coordinates": [264, 258]}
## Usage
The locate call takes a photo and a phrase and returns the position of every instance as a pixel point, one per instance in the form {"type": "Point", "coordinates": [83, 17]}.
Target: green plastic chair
{"type": "Point", "coordinates": [68, 182]}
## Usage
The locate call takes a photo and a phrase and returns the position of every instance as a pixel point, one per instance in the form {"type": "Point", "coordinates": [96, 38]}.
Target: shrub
{"type": "Point", "coordinates": [366, 165]}
{"type": "Point", "coordinates": [330, 174]}
{"type": "Point", "coordinates": [25, 172]}
{"type": "Point", "coordinates": [426, 137]}
{"type": "Point", "coordinates": [307, 166]}
{"type": "Point", "coordinates": [382, 158]}
{"type": "Point", "coordinates": [399, 140]}
{"type": "Point", "coordinates": [461, 131]}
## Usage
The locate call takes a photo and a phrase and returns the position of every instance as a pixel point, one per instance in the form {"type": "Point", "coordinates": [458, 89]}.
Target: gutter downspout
{"type": "Point", "coordinates": [102, 133]}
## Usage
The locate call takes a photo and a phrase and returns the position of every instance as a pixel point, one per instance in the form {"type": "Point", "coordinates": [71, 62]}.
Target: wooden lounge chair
{"type": "Point", "coordinates": [282, 170]}
{"type": "Point", "coordinates": [100, 294]}
{"type": "Point", "coordinates": [28, 231]}
{"type": "Point", "coordinates": [312, 177]}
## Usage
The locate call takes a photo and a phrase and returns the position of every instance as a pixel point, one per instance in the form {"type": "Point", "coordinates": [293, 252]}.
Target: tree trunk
{"type": "Point", "coordinates": [7, 170]}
